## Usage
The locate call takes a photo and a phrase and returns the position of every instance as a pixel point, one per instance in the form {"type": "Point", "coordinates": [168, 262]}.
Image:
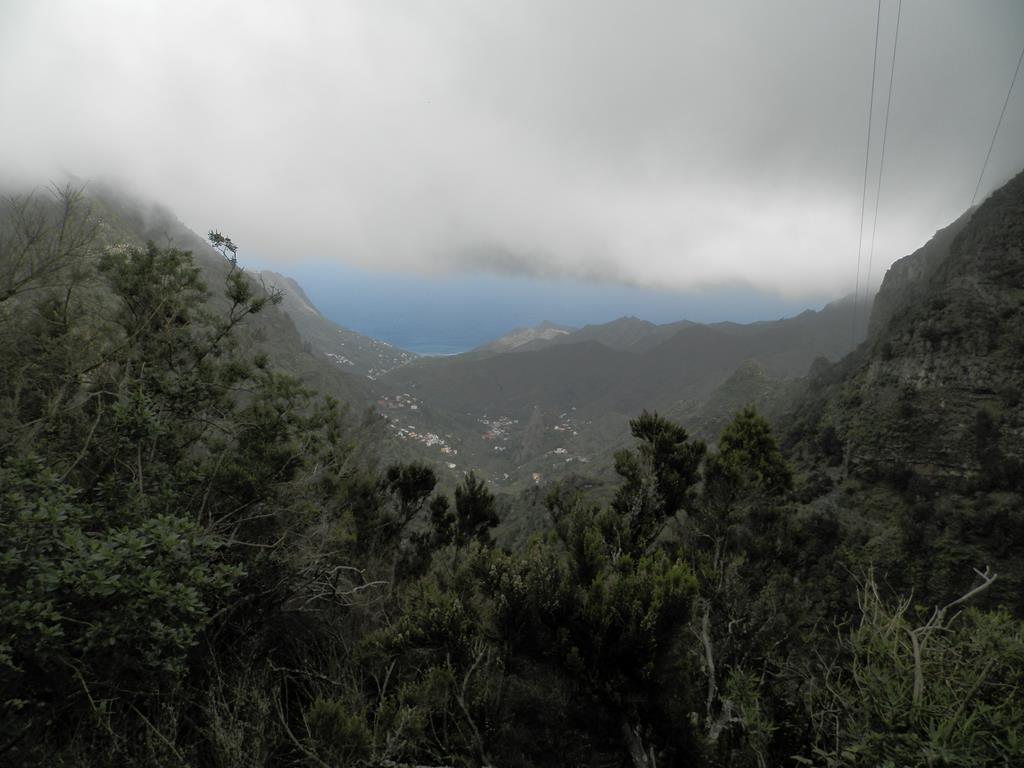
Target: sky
{"type": "Point", "coordinates": [677, 147]}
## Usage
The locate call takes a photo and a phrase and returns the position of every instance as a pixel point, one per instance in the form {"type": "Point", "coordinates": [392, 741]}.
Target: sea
{"type": "Point", "coordinates": [450, 314]}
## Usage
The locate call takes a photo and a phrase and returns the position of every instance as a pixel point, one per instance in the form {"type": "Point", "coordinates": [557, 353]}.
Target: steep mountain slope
{"type": "Point", "coordinates": [936, 393]}
{"type": "Point", "coordinates": [915, 443]}
{"type": "Point", "coordinates": [907, 280]}
{"type": "Point", "coordinates": [127, 220]}
{"type": "Point", "coordinates": [750, 384]}
{"type": "Point", "coordinates": [351, 351]}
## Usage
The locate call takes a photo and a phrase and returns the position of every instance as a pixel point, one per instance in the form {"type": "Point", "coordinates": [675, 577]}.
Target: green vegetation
{"type": "Point", "coordinates": [202, 563]}
{"type": "Point", "coordinates": [562, 404]}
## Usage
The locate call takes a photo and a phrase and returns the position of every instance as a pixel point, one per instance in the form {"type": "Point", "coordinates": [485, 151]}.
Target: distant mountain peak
{"type": "Point", "coordinates": [631, 320]}
{"type": "Point", "coordinates": [517, 337]}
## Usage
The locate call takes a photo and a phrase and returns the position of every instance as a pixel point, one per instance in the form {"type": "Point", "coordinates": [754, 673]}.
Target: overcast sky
{"type": "Point", "coordinates": [668, 144]}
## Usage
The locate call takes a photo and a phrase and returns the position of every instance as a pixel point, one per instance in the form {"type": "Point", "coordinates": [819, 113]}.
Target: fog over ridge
{"type": "Point", "coordinates": [643, 143]}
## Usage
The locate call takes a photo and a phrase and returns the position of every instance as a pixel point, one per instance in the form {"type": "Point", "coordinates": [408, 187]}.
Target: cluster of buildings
{"type": "Point", "coordinates": [388, 357]}
{"type": "Point", "coordinates": [565, 423]}
{"type": "Point", "coordinates": [497, 429]}
{"type": "Point", "coordinates": [429, 439]}
{"type": "Point", "coordinates": [565, 452]}
{"type": "Point", "coordinates": [406, 402]}
{"type": "Point", "coordinates": [339, 359]}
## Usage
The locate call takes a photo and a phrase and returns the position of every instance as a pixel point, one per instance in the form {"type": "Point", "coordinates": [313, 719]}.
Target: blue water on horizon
{"type": "Point", "coordinates": [446, 315]}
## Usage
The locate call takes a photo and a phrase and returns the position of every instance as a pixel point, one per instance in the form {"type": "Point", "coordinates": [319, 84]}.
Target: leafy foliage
{"type": "Point", "coordinates": [201, 564]}
{"type": "Point", "coordinates": [143, 470]}
{"type": "Point", "coordinates": [659, 476]}
{"type": "Point", "coordinates": [475, 512]}
{"type": "Point", "coordinates": [941, 690]}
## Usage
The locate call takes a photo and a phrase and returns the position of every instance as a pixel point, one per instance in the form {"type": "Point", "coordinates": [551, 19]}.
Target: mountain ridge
{"type": "Point", "coordinates": [127, 220]}
{"type": "Point", "coordinates": [946, 361]}
{"type": "Point", "coordinates": [351, 351]}
{"type": "Point", "coordinates": [519, 337]}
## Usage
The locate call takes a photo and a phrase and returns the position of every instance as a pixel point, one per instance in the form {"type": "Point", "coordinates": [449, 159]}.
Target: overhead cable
{"type": "Point", "coordinates": [995, 133]}
{"type": "Point", "coordinates": [881, 165]}
{"type": "Point", "coordinates": [864, 190]}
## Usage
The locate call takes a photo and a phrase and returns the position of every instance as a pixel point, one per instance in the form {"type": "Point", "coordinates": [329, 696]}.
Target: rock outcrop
{"type": "Point", "coordinates": [935, 393]}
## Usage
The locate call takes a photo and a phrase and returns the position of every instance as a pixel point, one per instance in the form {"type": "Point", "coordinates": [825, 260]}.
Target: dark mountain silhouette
{"type": "Point", "coordinates": [937, 391]}
{"type": "Point", "coordinates": [627, 365]}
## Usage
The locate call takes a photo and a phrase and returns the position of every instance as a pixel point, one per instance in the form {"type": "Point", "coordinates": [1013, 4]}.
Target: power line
{"type": "Point", "coordinates": [881, 166]}
{"type": "Point", "coordinates": [995, 133]}
{"type": "Point", "coordinates": [864, 190]}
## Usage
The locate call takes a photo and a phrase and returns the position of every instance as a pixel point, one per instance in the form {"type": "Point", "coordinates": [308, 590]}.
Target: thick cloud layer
{"type": "Point", "coordinates": [666, 144]}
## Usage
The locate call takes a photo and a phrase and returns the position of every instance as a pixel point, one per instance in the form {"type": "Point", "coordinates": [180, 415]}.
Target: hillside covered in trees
{"type": "Point", "coordinates": [210, 556]}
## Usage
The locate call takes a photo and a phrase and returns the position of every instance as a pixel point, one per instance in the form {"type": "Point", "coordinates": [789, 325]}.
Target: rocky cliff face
{"type": "Point", "coordinates": [936, 391]}
{"type": "Point", "coordinates": [906, 281]}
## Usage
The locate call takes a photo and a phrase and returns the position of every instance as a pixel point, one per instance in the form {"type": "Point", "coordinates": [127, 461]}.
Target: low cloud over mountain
{"type": "Point", "coordinates": [681, 148]}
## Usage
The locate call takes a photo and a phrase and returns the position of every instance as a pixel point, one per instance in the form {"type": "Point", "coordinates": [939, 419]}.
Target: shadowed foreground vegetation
{"type": "Point", "coordinates": [201, 563]}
